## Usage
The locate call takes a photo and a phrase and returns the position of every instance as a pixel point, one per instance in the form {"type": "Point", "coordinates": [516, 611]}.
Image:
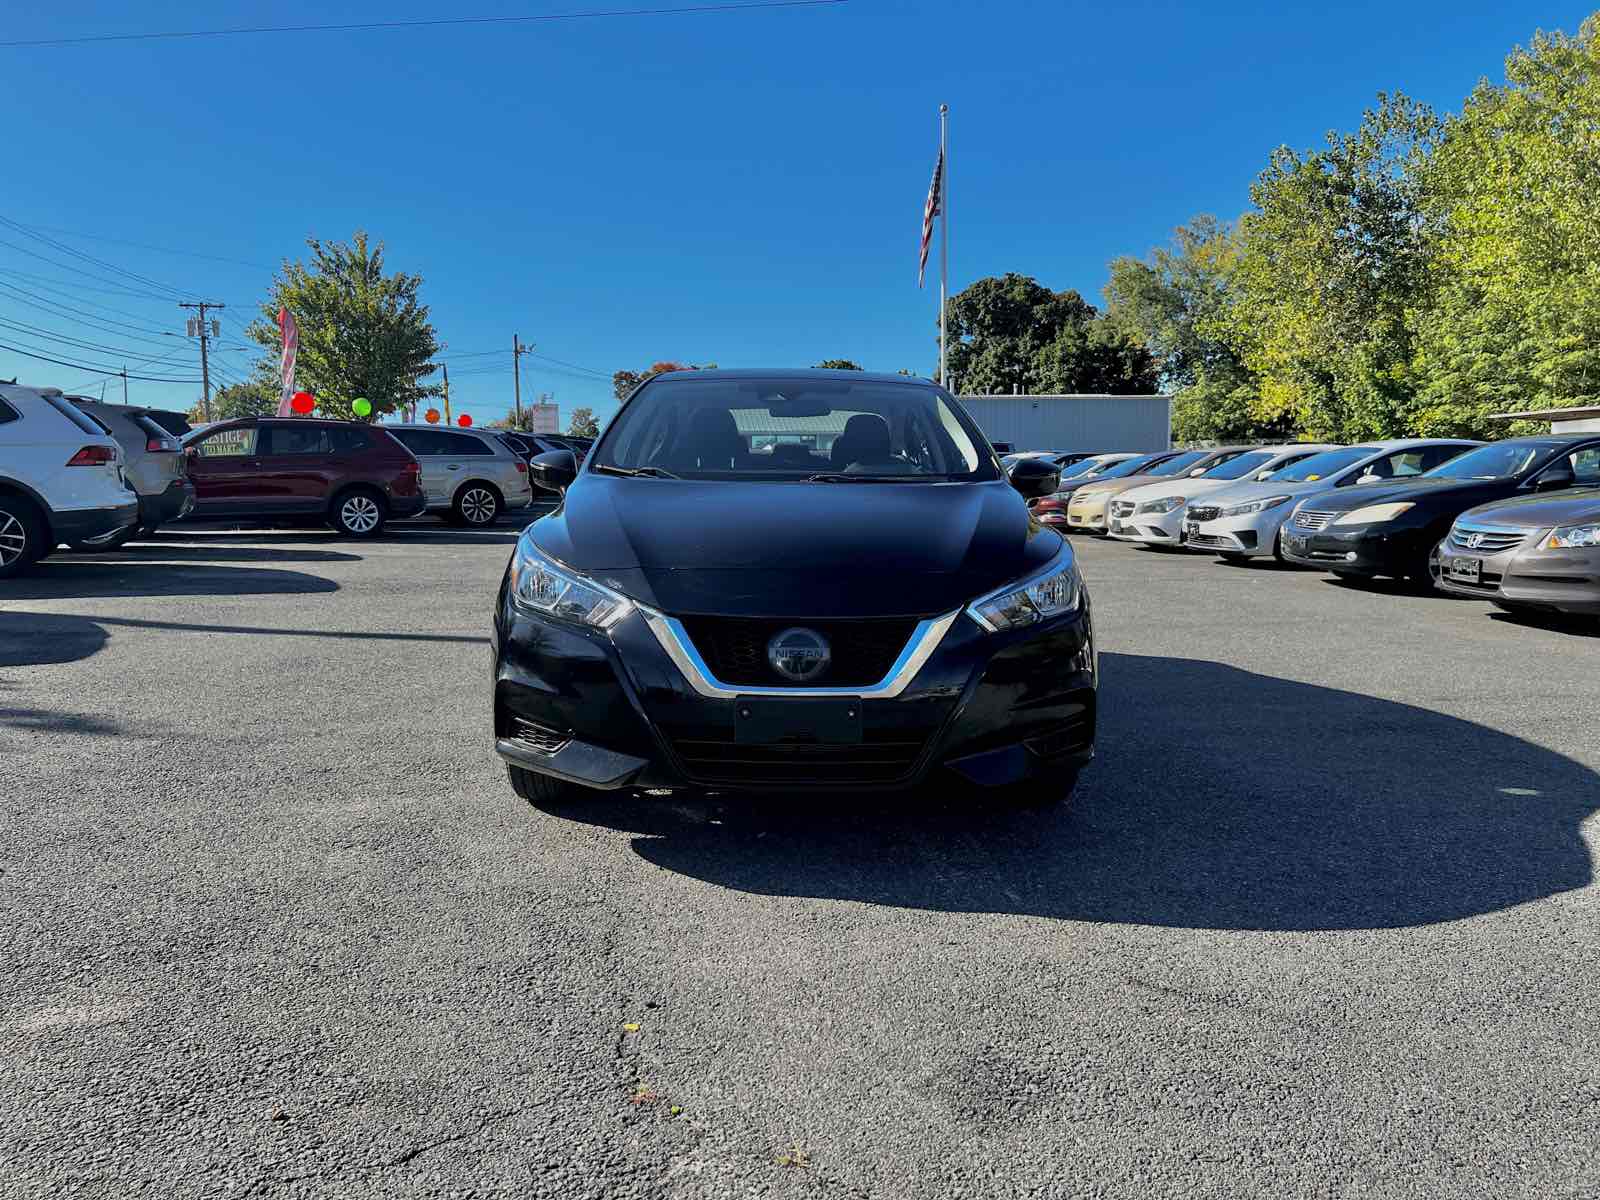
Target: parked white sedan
{"type": "Point", "coordinates": [1154, 514]}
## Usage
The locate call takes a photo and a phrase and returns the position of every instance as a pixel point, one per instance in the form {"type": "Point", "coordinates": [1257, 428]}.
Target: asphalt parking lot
{"type": "Point", "coordinates": [1320, 921]}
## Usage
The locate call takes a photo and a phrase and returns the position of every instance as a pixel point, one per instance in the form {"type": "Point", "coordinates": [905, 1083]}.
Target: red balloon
{"type": "Point", "coordinates": [302, 403]}
{"type": "Point", "coordinates": [464, 420]}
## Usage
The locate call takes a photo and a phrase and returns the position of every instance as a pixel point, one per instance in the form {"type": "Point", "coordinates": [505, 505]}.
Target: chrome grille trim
{"type": "Point", "coordinates": [1313, 519]}
{"type": "Point", "coordinates": [1492, 539]}
{"type": "Point", "coordinates": [675, 640]}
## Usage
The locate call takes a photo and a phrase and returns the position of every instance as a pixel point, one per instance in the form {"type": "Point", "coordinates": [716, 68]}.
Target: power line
{"type": "Point", "coordinates": [40, 280]}
{"type": "Point", "coordinates": [79, 271]}
{"type": "Point", "coordinates": [56, 308]}
{"type": "Point", "coordinates": [89, 258]}
{"type": "Point", "coordinates": [684, 10]}
{"type": "Point", "coordinates": [104, 370]}
{"type": "Point", "coordinates": [78, 343]}
{"type": "Point", "coordinates": [100, 237]}
{"type": "Point", "coordinates": [154, 360]}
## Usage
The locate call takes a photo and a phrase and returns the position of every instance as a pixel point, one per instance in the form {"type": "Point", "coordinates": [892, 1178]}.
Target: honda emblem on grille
{"type": "Point", "coordinates": [1474, 540]}
{"type": "Point", "coordinates": [799, 655]}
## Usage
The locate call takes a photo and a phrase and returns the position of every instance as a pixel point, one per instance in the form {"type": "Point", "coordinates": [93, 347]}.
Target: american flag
{"type": "Point", "coordinates": [930, 210]}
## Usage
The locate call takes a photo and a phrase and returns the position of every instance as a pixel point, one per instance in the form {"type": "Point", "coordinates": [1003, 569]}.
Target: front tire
{"type": "Point", "coordinates": [22, 535]}
{"type": "Point", "coordinates": [358, 513]}
{"type": "Point", "coordinates": [542, 790]}
{"type": "Point", "coordinates": [477, 506]}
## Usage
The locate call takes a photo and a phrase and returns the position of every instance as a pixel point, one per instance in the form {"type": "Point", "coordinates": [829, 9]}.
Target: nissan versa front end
{"type": "Point", "coordinates": [782, 581]}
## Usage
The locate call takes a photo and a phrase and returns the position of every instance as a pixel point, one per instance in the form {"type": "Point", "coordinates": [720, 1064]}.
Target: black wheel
{"type": "Point", "coordinates": [22, 535]}
{"type": "Point", "coordinates": [545, 789]}
{"type": "Point", "coordinates": [358, 513]}
{"type": "Point", "coordinates": [476, 505]}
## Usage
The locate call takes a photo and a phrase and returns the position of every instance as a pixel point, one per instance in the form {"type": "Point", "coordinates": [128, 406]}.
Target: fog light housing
{"type": "Point", "coordinates": [1349, 556]}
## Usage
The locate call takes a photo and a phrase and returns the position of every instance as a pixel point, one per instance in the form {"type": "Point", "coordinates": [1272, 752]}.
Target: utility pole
{"type": "Point", "coordinates": [124, 384]}
{"type": "Point", "coordinates": [517, 351]}
{"type": "Point", "coordinates": [203, 330]}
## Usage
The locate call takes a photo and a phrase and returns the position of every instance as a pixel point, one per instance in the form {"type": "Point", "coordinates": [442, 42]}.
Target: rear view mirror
{"type": "Point", "coordinates": [1034, 477]}
{"type": "Point", "coordinates": [783, 406]}
{"type": "Point", "coordinates": [554, 470]}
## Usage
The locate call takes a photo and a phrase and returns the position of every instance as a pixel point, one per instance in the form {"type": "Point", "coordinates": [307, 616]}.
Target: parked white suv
{"type": "Point", "coordinates": [61, 478]}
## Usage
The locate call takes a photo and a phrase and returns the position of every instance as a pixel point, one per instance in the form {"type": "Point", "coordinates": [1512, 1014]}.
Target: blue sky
{"type": "Point", "coordinates": [743, 188]}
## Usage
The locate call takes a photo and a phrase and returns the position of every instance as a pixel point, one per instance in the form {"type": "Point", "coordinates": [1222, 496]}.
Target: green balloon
{"type": "Point", "coordinates": [362, 407]}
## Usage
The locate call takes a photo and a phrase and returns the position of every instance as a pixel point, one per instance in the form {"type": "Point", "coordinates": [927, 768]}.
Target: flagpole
{"type": "Point", "coordinates": [944, 236]}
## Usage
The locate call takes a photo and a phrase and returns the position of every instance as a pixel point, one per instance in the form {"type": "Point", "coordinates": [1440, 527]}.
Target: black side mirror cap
{"type": "Point", "coordinates": [554, 470]}
{"type": "Point", "coordinates": [1034, 477]}
{"type": "Point", "coordinates": [1555, 481]}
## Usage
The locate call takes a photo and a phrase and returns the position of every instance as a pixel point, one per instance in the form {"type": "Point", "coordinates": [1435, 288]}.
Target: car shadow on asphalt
{"type": "Point", "coordinates": [180, 553]}
{"type": "Point", "coordinates": [72, 578]}
{"type": "Point", "coordinates": [1551, 622]}
{"type": "Point", "coordinates": [1221, 799]}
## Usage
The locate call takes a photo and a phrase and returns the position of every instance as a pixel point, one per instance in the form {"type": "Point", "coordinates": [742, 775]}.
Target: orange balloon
{"type": "Point", "coordinates": [464, 421]}
{"type": "Point", "coordinates": [432, 416]}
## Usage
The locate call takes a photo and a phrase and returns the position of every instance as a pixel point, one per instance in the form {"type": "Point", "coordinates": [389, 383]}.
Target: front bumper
{"type": "Point", "coordinates": [1524, 576]}
{"type": "Point", "coordinates": [166, 507]}
{"type": "Point", "coordinates": [1247, 535]}
{"type": "Point", "coordinates": [618, 711]}
{"type": "Point", "coordinates": [1088, 514]}
{"type": "Point", "coordinates": [1367, 550]}
{"type": "Point", "coordinates": [1153, 529]}
{"type": "Point", "coordinates": [92, 524]}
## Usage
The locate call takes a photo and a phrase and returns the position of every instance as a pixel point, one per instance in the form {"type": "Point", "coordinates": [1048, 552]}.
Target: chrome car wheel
{"type": "Point", "coordinates": [13, 538]}
{"type": "Point", "coordinates": [360, 514]}
{"type": "Point", "coordinates": [479, 506]}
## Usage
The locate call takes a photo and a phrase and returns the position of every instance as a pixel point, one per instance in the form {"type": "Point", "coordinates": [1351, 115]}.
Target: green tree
{"type": "Point", "coordinates": [1512, 196]}
{"type": "Point", "coordinates": [583, 423]}
{"type": "Point", "coordinates": [623, 382]}
{"type": "Point", "coordinates": [838, 364]}
{"type": "Point", "coordinates": [362, 333]}
{"type": "Point", "coordinates": [1014, 334]}
{"type": "Point", "coordinates": [1174, 301]}
{"type": "Point", "coordinates": [253, 398]}
{"type": "Point", "coordinates": [1332, 260]}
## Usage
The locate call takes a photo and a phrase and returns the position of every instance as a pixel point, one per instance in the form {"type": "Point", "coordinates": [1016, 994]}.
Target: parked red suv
{"type": "Point", "coordinates": [350, 474]}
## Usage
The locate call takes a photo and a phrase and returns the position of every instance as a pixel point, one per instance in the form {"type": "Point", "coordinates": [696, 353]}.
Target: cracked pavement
{"type": "Point", "coordinates": [1321, 920]}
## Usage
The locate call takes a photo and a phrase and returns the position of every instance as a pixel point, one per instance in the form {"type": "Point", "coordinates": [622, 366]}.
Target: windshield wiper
{"type": "Point", "coordinates": [844, 477]}
{"type": "Point", "coordinates": [631, 472]}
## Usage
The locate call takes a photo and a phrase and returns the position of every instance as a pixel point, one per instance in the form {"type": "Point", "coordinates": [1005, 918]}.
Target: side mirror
{"type": "Point", "coordinates": [1034, 477]}
{"type": "Point", "coordinates": [554, 470]}
{"type": "Point", "coordinates": [1555, 480]}
{"type": "Point", "coordinates": [1197, 472]}
{"type": "Point", "coordinates": [1263, 476]}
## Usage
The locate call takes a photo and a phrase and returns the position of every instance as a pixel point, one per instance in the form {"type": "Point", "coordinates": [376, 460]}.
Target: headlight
{"type": "Point", "coordinates": [1255, 506]}
{"type": "Point", "coordinates": [1572, 537]}
{"type": "Point", "coordinates": [1048, 594]}
{"type": "Point", "coordinates": [539, 585]}
{"type": "Point", "coordinates": [1162, 506]}
{"type": "Point", "coordinates": [1373, 514]}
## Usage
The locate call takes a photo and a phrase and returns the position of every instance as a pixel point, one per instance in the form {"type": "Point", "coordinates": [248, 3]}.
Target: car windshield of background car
{"type": "Point", "coordinates": [1493, 462]}
{"type": "Point", "coordinates": [1177, 466]}
{"type": "Point", "coordinates": [1321, 466]}
{"type": "Point", "coordinates": [1238, 468]}
{"type": "Point", "coordinates": [1082, 467]}
{"type": "Point", "coordinates": [782, 429]}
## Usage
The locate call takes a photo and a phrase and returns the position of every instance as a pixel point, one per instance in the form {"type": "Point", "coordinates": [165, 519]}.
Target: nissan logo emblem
{"type": "Point", "coordinates": [799, 655]}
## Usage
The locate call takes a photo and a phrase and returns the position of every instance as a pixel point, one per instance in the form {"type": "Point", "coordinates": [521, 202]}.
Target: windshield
{"type": "Point", "coordinates": [1082, 467]}
{"type": "Point", "coordinates": [1178, 465]}
{"type": "Point", "coordinates": [1130, 466]}
{"type": "Point", "coordinates": [1321, 466]}
{"type": "Point", "coordinates": [791, 429]}
{"type": "Point", "coordinates": [1238, 468]}
{"type": "Point", "coordinates": [1493, 462]}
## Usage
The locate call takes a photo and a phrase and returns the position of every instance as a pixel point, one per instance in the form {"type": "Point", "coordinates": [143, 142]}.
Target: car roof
{"type": "Point", "coordinates": [798, 373]}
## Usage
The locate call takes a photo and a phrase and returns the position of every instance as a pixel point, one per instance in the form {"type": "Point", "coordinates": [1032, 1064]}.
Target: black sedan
{"type": "Point", "coordinates": [1392, 529]}
{"type": "Point", "coordinates": [871, 609]}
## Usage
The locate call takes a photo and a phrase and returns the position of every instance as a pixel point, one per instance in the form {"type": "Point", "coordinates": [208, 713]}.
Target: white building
{"type": "Point", "coordinates": [1562, 420]}
{"type": "Point", "coordinates": [1077, 422]}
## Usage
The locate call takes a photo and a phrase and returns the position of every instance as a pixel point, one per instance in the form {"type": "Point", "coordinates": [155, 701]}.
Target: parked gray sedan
{"type": "Point", "coordinates": [1533, 553]}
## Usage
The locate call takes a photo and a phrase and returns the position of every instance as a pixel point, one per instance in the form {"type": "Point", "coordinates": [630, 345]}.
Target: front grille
{"type": "Point", "coordinates": [1311, 518]}
{"type": "Point", "coordinates": [875, 760]}
{"type": "Point", "coordinates": [1490, 541]}
{"type": "Point", "coordinates": [1206, 513]}
{"type": "Point", "coordinates": [1210, 539]}
{"type": "Point", "coordinates": [541, 739]}
{"type": "Point", "coordinates": [1122, 508]}
{"type": "Point", "coordinates": [735, 649]}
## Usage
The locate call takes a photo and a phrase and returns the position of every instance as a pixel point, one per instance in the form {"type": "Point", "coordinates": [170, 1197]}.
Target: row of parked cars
{"type": "Point", "coordinates": [89, 475]}
{"type": "Point", "coordinates": [1516, 522]}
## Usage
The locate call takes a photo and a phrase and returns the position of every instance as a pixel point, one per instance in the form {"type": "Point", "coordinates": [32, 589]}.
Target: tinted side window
{"type": "Point", "coordinates": [1437, 456]}
{"type": "Point", "coordinates": [1585, 465]}
{"type": "Point", "coordinates": [421, 442]}
{"type": "Point", "coordinates": [228, 443]}
{"type": "Point", "coordinates": [462, 445]}
{"type": "Point", "coordinates": [296, 439]}
{"type": "Point", "coordinates": [348, 441]}
{"type": "Point", "coordinates": [7, 413]}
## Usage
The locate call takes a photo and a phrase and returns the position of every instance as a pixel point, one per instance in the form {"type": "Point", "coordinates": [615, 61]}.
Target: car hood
{"type": "Point", "coordinates": [1577, 506]}
{"type": "Point", "coordinates": [1176, 487]}
{"type": "Point", "coordinates": [1444, 492]}
{"type": "Point", "coordinates": [1243, 492]}
{"type": "Point", "coordinates": [796, 549]}
{"type": "Point", "coordinates": [1115, 487]}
